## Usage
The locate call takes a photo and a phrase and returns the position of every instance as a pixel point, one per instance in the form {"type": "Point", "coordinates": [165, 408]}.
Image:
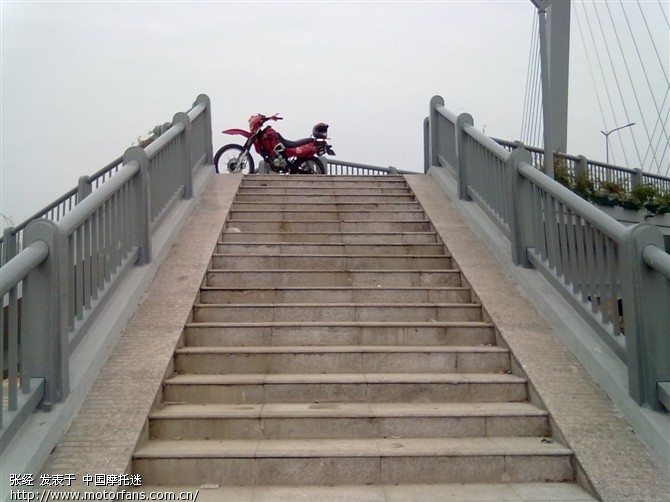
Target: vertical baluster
{"type": "Point", "coordinates": [581, 269]}
{"type": "Point", "coordinates": [538, 236]}
{"type": "Point", "coordinates": [560, 240]}
{"type": "Point", "coordinates": [571, 268]}
{"type": "Point", "coordinates": [614, 281]}
{"type": "Point", "coordinates": [86, 260]}
{"type": "Point", "coordinates": [2, 358]}
{"type": "Point", "coordinates": [70, 261]}
{"type": "Point", "coordinates": [13, 351]}
{"type": "Point", "coordinates": [114, 223]}
{"type": "Point", "coordinates": [79, 273]}
{"type": "Point", "coordinates": [591, 264]}
{"type": "Point", "coordinates": [550, 229]}
{"type": "Point", "coordinates": [601, 271]}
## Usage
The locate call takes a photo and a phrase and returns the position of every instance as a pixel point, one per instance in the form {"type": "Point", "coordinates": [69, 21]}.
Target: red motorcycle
{"type": "Point", "coordinates": [280, 155]}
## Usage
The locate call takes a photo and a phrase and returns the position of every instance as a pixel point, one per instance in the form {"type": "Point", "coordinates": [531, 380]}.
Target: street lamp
{"type": "Point", "coordinates": [607, 138]}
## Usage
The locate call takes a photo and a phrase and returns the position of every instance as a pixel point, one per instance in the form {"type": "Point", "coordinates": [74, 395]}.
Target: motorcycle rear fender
{"type": "Point", "coordinates": [241, 132]}
{"type": "Point", "coordinates": [308, 150]}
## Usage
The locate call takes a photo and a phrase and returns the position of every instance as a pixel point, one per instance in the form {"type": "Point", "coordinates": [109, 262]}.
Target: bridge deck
{"type": "Point", "coordinates": [112, 419]}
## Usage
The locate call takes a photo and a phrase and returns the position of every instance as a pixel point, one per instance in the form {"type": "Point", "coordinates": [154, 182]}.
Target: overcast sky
{"type": "Point", "coordinates": [81, 81]}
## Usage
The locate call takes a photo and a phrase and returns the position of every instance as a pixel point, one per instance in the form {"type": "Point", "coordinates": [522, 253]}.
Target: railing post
{"type": "Point", "coordinates": [462, 166]}
{"type": "Point", "coordinates": [646, 297]}
{"type": "Point", "coordinates": [185, 143]}
{"type": "Point", "coordinates": [433, 117]}
{"type": "Point", "coordinates": [426, 145]}
{"type": "Point", "coordinates": [84, 188]}
{"type": "Point", "coordinates": [45, 345]}
{"type": "Point", "coordinates": [142, 197]}
{"type": "Point", "coordinates": [520, 195]}
{"type": "Point", "coordinates": [637, 179]}
{"type": "Point", "coordinates": [9, 245]}
{"type": "Point", "coordinates": [204, 99]}
{"type": "Point", "coordinates": [582, 167]}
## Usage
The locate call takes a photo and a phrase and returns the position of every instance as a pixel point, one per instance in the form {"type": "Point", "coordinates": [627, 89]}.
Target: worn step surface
{"type": "Point", "coordinates": [433, 492]}
{"type": "Point", "coordinates": [335, 342]}
{"type": "Point", "coordinates": [355, 461]}
{"type": "Point", "coordinates": [234, 234]}
{"type": "Point", "coordinates": [347, 420]}
{"type": "Point", "coordinates": [456, 294]}
{"type": "Point", "coordinates": [341, 359]}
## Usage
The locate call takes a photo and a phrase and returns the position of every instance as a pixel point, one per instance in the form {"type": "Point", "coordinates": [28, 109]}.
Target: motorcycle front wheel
{"type": "Point", "coordinates": [312, 166]}
{"type": "Point", "coordinates": [233, 159]}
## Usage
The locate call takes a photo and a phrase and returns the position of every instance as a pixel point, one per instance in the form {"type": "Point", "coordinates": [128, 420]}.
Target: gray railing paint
{"type": "Point", "coordinates": [341, 167]}
{"type": "Point", "coordinates": [598, 172]}
{"type": "Point", "coordinates": [75, 252]}
{"type": "Point", "coordinates": [592, 259]}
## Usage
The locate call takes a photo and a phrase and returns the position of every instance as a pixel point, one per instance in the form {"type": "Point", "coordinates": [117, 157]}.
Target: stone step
{"type": "Point", "coordinates": [338, 249]}
{"type": "Point", "coordinates": [433, 492]}
{"type": "Point", "coordinates": [341, 359]}
{"type": "Point", "coordinates": [237, 214]}
{"type": "Point", "coordinates": [249, 261]}
{"type": "Point", "coordinates": [326, 183]}
{"type": "Point", "coordinates": [236, 235]}
{"type": "Point", "coordinates": [355, 461]}
{"type": "Point", "coordinates": [352, 192]}
{"type": "Point", "coordinates": [342, 387]}
{"type": "Point", "coordinates": [332, 278]}
{"type": "Point", "coordinates": [359, 333]}
{"type": "Point", "coordinates": [328, 226]}
{"type": "Point", "coordinates": [347, 420]}
{"type": "Point", "coordinates": [335, 295]}
{"type": "Point", "coordinates": [336, 312]}
{"type": "Point", "coordinates": [327, 196]}
{"type": "Point", "coordinates": [308, 207]}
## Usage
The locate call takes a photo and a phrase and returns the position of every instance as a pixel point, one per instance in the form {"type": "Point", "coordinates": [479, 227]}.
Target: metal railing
{"type": "Point", "coordinates": [616, 277]}
{"type": "Point", "coordinates": [598, 172]}
{"type": "Point", "coordinates": [74, 253]}
{"type": "Point", "coordinates": [341, 167]}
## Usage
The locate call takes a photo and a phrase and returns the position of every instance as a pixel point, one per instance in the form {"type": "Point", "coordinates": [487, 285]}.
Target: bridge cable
{"type": "Point", "coordinates": [665, 74]}
{"type": "Point", "coordinates": [659, 110]}
{"type": "Point", "coordinates": [616, 81]}
{"type": "Point", "coordinates": [588, 59]}
{"type": "Point", "coordinates": [537, 118]}
{"type": "Point", "coordinates": [532, 86]}
{"type": "Point", "coordinates": [602, 72]}
{"type": "Point", "coordinates": [633, 86]}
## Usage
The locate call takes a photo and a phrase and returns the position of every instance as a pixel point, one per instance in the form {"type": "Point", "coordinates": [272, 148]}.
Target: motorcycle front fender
{"type": "Point", "coordinates": [240, 132]}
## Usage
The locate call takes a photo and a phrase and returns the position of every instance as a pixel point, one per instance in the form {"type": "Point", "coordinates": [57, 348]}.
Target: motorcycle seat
{"type": "Point", "coordinates": [294, 144]}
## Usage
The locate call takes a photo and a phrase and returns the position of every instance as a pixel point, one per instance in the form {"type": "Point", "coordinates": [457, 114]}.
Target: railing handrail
{"type": "Point", "coordinates": [16, 269]}
{"type": "Point", "coordinates": [591, 259]}
{"type": "Point", "coordinates": [609, 226]}
{"type": "Point", "coordinates": [70, 263]}
{"type": "Point", "coordinates": [82, 211]}
{"type": "Point", "coordinates": [357, 166]}
{"type": "Point", "coordinates": [577, 158]}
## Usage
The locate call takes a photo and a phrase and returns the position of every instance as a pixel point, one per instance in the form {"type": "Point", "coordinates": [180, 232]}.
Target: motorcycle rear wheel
{"type": "Point", "coordinates": [312, 165]}
{"type": "Point", "coordinates": [233, 159]}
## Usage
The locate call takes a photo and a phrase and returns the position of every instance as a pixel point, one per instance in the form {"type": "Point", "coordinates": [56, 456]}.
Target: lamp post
{"type": "Point", "coordinates": [607, 138]}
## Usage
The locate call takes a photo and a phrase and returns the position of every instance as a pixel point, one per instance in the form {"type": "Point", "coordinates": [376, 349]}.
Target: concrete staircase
{"type": "Point", "coordinates": [334, 342]}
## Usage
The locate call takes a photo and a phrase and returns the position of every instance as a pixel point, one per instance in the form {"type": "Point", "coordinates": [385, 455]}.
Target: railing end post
{"type": "Point", "coordinates": [646, 296]}
{"type": "Point", "coordinates": [142, 195]}
{"type": "Point", "coordinates": [186, 152]}
{"type": "Point", "coordinates": [520, 196]}
{"type": "Point", "coordinates": [45, 318]}
{"type": "Point", "coordinates": [463, 120]}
